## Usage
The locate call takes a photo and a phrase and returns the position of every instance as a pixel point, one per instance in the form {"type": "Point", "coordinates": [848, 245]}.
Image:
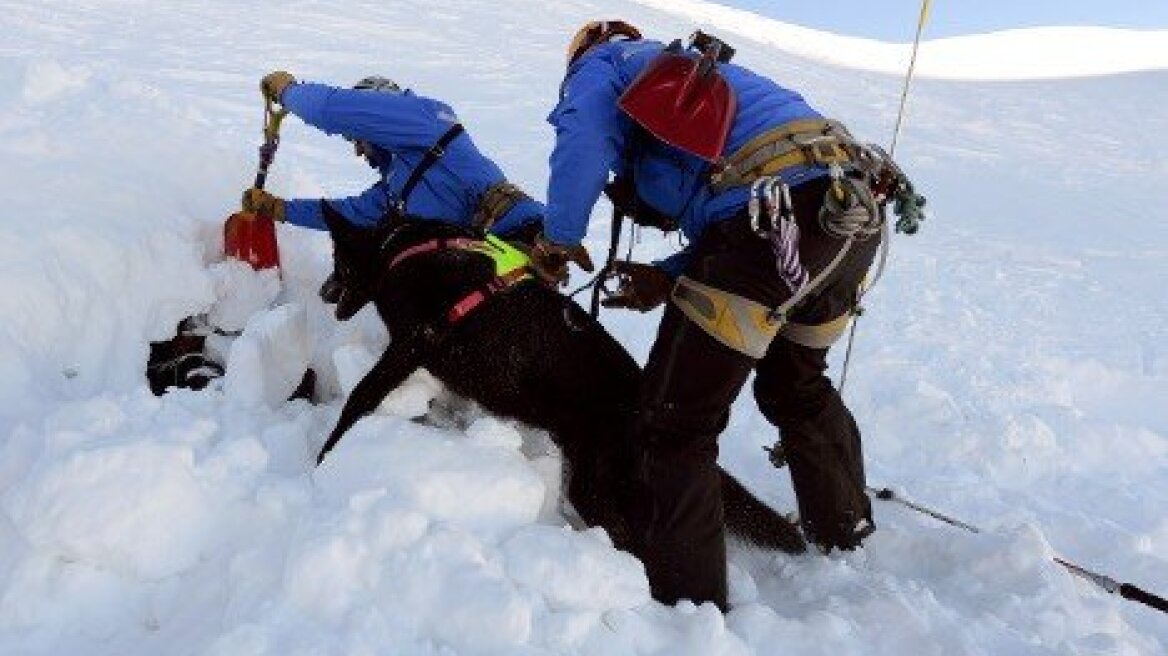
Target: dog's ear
{"type": "Point", "coordinates": [338, 226]}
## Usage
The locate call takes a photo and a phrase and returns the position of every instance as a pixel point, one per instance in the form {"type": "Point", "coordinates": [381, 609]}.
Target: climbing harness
{"type": "Point", "coordinates": [804, 142]}
{"type": "Point", "coordinates": [748, 326]}
{"type": "Point", "coordinates": [496, 201]}
{"type": "Point", "coordinates": [864, 180]}
{"type": "Point", "coordinates": [850, 212]}
{"type": "Point", "coordinates": [739, 323]}
{"type": "Point", "coordinates": [433, 154]}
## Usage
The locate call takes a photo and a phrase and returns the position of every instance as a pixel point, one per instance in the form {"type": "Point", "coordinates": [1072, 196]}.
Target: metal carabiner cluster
{"type": "Point", "coordinates": [770, 199]}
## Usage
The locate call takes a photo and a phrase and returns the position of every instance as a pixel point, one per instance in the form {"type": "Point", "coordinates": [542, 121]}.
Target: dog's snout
{"type": "Point", "coordinates": [330, 291]}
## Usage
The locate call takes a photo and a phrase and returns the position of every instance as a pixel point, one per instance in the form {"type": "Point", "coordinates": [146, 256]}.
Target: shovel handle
{"type": "Point", "coordinates": [267, 154]}
{"type": "Point", "coordinates": [722, 52]}
{"type": "Point", "coordinates": [272, 119]}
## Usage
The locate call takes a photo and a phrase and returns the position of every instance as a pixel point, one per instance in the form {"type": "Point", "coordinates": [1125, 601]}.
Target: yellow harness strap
{"type": "Point", "coordinates": [747, 326]}
{"type": "Point", "coordinates": [820, 142]}
{"type": "Point", "coordinates": [738, 322]}
{"type": "Point", "coordinates": [818, 336]}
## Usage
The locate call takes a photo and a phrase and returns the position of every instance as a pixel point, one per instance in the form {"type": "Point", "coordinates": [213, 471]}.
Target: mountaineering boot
{"type": "Point", "coordinates": [847, 535]}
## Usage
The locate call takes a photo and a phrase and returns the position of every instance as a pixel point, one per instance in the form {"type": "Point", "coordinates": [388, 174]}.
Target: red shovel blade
{"type": "Point", "coordinates": [251, 238]}
{"type": "Point", "coordinates": [683, 104]}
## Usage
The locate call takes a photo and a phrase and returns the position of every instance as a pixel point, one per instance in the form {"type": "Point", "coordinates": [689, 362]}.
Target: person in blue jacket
{"type": "Point", "coordinates": [743, 297]}
{"type": "Point", "coordinates": [429, 167]}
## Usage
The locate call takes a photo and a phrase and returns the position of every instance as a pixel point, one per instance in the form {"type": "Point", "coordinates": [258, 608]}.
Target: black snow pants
{"type": "Point", "coordinates": [690, 382]}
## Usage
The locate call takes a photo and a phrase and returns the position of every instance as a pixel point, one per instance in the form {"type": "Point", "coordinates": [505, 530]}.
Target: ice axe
{"type": "Point", "coordinates": [252, 237]}
{"type": "Point", "coordinates": [1102, 581]}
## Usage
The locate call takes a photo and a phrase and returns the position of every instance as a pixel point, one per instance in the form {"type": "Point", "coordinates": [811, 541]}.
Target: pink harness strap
{"type": "Point", "coordinates": [475, 298]}
{"type": "Point", "coordinates": [432, 245]}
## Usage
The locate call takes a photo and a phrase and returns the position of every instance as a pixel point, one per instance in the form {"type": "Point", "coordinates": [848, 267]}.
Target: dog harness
{"type": "Point", "coordinates": [510, 267]}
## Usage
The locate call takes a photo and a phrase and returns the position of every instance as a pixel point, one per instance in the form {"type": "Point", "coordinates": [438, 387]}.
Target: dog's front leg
{"type": "Point", "coordinates": [395, 365]}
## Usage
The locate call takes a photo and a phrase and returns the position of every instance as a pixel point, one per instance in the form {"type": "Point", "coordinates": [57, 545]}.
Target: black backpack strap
{"type": "Point", "coordinates": [432, 155]}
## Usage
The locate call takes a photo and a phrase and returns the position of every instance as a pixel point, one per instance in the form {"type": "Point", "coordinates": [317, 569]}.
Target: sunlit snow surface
{"type": "Point", "coordinates": [1011, 370]}
{"type": "Point", "coordinates": [1018, 54]}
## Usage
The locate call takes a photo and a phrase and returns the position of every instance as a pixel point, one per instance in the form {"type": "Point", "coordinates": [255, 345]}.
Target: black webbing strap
{"type": "Point", "coordinates": [432, 155]}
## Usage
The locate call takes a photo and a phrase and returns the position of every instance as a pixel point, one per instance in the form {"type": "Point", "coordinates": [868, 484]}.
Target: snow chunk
{"type": "Point", "coordinates": [241, 293]}
{"type": "Point", "coordinates": [482, 487]}
{"type": "Point", "coordinates": [268, 361]}
{"type": "Point", "coordinates": [575, 571]}
{"type": "Point", "coordinates": [134, 508]}
{"type": "Point", "coordinates": [45, 81]}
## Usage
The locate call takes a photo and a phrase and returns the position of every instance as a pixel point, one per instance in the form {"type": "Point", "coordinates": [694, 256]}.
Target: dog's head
{"type": "Point", "coordinates": [362, 257]}
{"type": "Point", "coordinates": [357, 264]}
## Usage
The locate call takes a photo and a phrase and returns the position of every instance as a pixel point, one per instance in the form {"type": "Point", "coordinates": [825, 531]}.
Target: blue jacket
{"type": "Point", "coordinates": [593, 138]}
{"type": "Point", "coordinates": [401, 127]}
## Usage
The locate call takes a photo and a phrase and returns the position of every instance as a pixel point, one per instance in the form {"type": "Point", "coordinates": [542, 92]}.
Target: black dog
{"type": "Point", "coordinates": [518, 349]}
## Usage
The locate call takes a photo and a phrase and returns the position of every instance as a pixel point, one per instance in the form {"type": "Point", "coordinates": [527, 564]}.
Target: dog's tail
{"type": "Point", "coordinates": [751, 520]}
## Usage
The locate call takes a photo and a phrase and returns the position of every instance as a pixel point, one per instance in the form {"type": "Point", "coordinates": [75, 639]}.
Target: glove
{"type": "Point", "coordinates": [273, 84]}
{"type": "Point", "coordinates": [642, 286]}
{"type": "Point", "coordinates": [549, 260]}
{"type": "Point", "coordinates": [258, 201]}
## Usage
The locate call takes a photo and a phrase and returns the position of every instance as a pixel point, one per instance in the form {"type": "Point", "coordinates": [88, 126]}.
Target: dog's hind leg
{"type": "Point", "coordinates": [395, 365]}
{"type": "Point", "coordinates": [752, 520]}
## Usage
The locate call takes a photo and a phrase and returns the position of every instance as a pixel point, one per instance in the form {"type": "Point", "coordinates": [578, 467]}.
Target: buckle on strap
{"type": "Point", "coordinates": [815, 142]}
{"type": "Point", "coordinates": [819, 148]}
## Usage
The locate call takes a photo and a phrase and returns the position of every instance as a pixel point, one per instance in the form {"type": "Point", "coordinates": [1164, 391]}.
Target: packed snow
{"type": "Point", "coordinates": [1010, 370]}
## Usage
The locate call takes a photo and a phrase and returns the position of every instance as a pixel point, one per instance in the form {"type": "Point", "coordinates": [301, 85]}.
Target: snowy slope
{"type": "Point", "coordinates": [1011, 370]}
{"type": "Point", "coordinates": [1018, 54]}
